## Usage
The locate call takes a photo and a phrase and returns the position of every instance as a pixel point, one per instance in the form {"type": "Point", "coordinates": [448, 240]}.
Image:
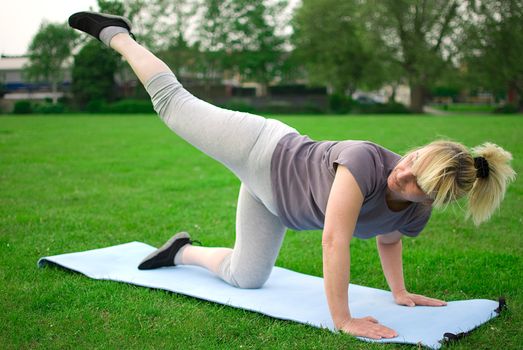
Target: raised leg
{"type": "Point", "coordinates": [144, 63]}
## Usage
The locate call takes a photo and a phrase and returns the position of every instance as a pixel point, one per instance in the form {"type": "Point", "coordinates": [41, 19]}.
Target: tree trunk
{"type": "Point", "coordinates": [514, 95]}
{"type": "Point", "coordinates": [392, 98]}
{"type": "Point", "coordinates": [263, 89]}
{"type": "Point", "coordinates": [417, 98]}
{"type": "Point", "coordinates": [54, 91]}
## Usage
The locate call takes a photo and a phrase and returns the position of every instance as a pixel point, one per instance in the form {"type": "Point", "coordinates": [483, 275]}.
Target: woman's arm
{"type": "Point", "coordinates": [342, 212]}
{"type": "Point", "coordinates": [390, 249]}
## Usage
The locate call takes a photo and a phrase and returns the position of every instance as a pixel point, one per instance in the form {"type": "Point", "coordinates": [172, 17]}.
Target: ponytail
{"type": "Point", "coordinates": [494, 173]}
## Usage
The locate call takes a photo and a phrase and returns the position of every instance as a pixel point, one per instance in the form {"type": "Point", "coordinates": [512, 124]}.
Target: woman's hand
{"type": "Point", "coordinates": [408, 299]}
{"type": "Point", "coordinates": [367, 327]}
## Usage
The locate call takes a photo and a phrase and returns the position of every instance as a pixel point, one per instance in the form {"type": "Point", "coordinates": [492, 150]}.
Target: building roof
{"type": "Point", "coordinates": [13, 63]}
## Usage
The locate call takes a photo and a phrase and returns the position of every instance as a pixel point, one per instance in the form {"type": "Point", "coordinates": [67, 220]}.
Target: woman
{"type": "Point", "coordinates": [349, 188]}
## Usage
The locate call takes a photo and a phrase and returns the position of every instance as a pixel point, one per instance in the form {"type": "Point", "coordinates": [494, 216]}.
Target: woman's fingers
{"type": "Point", "coordinates": [426, 301]}
{"type": "Point", "coordinates": [410, 299]}
{"type": "Point", "coordinates": [406, 301]}
{"type": "Point", "coordinates": [368, 327]}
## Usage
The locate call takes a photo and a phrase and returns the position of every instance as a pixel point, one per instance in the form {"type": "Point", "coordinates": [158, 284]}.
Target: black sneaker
{"type": "Point", "coordinates": [92, 23]}
{"type": "Point", "coordinates": [164, 256]}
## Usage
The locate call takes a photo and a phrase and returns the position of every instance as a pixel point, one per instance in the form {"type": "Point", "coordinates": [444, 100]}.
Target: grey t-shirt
{"type": "Point", "coordinates": [302, 173]}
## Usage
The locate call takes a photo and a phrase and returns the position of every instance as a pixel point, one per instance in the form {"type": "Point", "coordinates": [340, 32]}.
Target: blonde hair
{"type": "Point", "coordinates": [445, 170]}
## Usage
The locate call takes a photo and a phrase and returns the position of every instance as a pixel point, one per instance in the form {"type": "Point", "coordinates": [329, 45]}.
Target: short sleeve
{"type": "Point", "coordinates": [417, 224]}
{"type": "Point", "coordinates": [364, 164]}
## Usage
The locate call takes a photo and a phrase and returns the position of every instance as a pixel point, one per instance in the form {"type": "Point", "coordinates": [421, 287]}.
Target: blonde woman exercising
{"type": "Point", "coordinates": [347, 188]}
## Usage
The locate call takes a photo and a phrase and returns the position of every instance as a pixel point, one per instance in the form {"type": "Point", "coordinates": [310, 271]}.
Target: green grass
{"type": "Point", "coordinates": [69, 184]}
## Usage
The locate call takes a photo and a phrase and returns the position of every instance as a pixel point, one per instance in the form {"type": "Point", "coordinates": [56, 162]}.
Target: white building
{"type": "Point", "coordinates": [18, 88]}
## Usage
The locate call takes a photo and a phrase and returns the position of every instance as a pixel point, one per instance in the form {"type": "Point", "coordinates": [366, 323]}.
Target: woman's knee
{"type": "Point", "coordinates": [163, 88]}
{"type": "Point", "coordinates": [244, 277]}
{"type": "Point", "coordinates": [249, 281]}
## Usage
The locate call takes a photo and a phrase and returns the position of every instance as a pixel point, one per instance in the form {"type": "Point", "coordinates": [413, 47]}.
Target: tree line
{"type": "Point", "coordinates": [344, 45]}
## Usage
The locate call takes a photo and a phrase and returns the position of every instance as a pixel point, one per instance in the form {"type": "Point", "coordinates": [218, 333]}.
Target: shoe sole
{"type": "Point", "coordinates": [166, 246]}
{"type": "Point", "coordinates": [83, 13]}
{"type": "Point", "coordinates": [111, 16]}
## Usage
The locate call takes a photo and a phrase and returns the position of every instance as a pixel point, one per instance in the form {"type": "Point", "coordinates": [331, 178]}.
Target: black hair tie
{"type": "Point", "coordinates": [481, 166]}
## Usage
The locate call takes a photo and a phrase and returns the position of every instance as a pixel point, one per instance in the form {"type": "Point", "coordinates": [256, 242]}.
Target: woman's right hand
{"type": "Point", "coordinates": [367, 327]}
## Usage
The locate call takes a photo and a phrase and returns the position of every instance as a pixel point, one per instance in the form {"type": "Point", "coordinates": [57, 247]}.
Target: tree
{"type": "Point", "coordinates": [164, 24]}
{"type": "Point", "coordinates": [240, 36]}
{"type": "Point", "coordinates": [493, 47]}
{"type": "Point", "coordinates": [329, 36]}
{"type": "Point", "coordinates": [420, 35]}
{"type": "Point", "coordinates": [93, 73]}
{"type": "Point", "coordinates": [256, 49]}
{"type": "Point", "coordinates": [48, 52]}
{"type": "Point", "coordinates": [212, 38]}
{"type": "Point", "coordinates": [95, 65]}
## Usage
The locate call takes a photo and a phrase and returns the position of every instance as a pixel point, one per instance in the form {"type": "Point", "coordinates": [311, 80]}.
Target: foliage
{"type": "Point", "coordinates": [239, 105]}
{"type": "Point", "coordinates": [329, 38]}
{"type": "Point", "coordinates": [341, 103]}
{"type": "Point", "coordinates": [507, 109]}
{"type": "Point", "coordinates": [127, 106]}
{"type": "Point", "coordinates": [162, 24]}
{"type": "Point", "coordinates": [49, 108]}
{"type": "Point", "coordinates": [256, 48]}
{"type": "Point", "coordinates": [2, 89]}
{"type": "Point", "coordinates": [420, 36]}
{"type": "Point", "coordinates": [240, 36]}
{"type": "Point", "coordinates": [131, 106]}
{"type": "Point", "coordinates": [114, 7]}
{"type": "Point", "coordinates": [93, 73]}
{"type": "Point", "coordinates": [48, 52]}
{"type": "Point", "coordinates": [180, 56]}
{"type": "Point", "coordinates": [493, 46]}
{"type": "Point", "coordinates": [23, 107]}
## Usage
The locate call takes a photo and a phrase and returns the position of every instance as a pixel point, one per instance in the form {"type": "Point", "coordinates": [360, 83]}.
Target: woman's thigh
{"type": "Point", "coordinates": [243, 142]}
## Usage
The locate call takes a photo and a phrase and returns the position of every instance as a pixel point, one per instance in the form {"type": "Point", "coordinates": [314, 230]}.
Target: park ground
{"type": "Point", "coordinates": [73, 183]}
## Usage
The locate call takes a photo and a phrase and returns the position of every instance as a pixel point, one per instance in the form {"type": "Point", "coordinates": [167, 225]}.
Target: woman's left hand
{"type": "Point", "coordinates": [410, 299]}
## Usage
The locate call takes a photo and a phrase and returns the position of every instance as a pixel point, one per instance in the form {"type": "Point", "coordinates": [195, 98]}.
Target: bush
{"type": "Point", "coordinates": [96, 106]}
{"type": "Point", "coordinates": [507, 108]}
{"type": "Point", "coordinates": [23, 107]}
{"type": "Point", "coordinates": [239, 105]}
{"type": "Point", "coordinates": [131, 106]}
{"type": "Point", "coordinates": [120, 107]}
{"type": "Point", "coordinates": [341, 104]}
{"type": "Point", "coordinates": [49, 108]}
{"type": "Point", "coordinates": [282, 107]}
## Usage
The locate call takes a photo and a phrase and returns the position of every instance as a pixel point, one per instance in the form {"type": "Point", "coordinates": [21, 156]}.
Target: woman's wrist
{"type": "Point", "coordinates": [399, 292]}
{"type": "Point", "coordinates": [341, 323]}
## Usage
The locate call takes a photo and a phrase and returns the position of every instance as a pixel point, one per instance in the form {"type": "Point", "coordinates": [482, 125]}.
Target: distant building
{"type": "Point", "coordinates": [16, 87]}
{"type": "Point", "coordinates": [220, 90]}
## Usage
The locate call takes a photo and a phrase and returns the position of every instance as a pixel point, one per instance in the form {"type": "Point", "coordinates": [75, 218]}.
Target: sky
{"type": "Point", "coordinates": [20, 20]}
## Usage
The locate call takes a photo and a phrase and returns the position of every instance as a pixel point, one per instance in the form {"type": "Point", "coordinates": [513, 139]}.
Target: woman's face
{"type": "Point", "coordinates": [402, 182]}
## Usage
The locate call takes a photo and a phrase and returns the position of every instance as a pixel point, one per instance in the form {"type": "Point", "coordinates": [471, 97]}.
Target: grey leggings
{"type": "Point", "coordinates": [244, 143]}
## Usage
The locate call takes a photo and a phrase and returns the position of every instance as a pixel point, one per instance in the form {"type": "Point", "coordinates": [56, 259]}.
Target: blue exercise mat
{"type": "Point", "coordinates": [287, 295]}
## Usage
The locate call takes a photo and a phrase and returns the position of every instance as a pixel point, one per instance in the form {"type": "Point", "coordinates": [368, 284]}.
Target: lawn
{"type": "Point", "coordinates": [73, 183]}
